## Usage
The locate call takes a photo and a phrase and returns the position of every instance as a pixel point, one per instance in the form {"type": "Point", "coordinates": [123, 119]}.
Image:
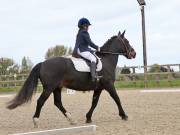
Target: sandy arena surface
{"type": "Point", "coordinates": [149, 114]}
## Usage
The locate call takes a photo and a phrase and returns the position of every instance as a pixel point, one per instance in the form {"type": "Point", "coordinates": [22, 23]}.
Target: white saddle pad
{"type": "Point", "coordinates": [81, 66]}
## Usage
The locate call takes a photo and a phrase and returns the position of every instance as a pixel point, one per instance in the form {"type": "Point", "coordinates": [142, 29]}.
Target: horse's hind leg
{"type": "Point", "coordinates": [95, 100]}
{"type": "Point", "coordinates": [40, 102]}
{"type": "Point", "coordinates": [57, 100]}
{"type": "Point", "coordinates": [59, 105]}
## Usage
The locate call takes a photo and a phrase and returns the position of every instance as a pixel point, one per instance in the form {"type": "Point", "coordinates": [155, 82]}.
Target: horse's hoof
{"type": "Point", "coordinates": [125, 117]}
{"type": "Point", "coordinates": [73, 123]}
{"type": "Point", "coordinates": [35, 121]}
{"type": "Point", "coordinates": [69, 118]}
{"type": "Point", "coordinates": [88, 121]}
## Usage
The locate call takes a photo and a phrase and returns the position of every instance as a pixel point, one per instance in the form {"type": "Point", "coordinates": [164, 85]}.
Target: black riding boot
{"type": "Point", "coordinates": [93, 71]}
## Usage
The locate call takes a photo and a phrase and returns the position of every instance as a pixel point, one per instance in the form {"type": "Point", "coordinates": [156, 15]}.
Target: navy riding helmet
{"type": "Point", "coordinates": [83, 21]}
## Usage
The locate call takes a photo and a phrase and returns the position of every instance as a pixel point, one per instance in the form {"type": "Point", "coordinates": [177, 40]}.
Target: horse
{"type": "Point", "coordinates": [58, 72]}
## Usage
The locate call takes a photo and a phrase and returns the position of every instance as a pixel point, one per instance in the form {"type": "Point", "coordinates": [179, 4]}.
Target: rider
{"type": "Point", "coordinates": [83, 41]}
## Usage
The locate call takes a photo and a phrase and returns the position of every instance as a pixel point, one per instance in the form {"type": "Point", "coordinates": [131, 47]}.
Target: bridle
{"type": "Point", "coordinates": [128, 51]}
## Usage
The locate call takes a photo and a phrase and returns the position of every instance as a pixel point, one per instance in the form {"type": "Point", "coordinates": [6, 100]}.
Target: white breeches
{"type": "Point", "coordinates": [87, 55]}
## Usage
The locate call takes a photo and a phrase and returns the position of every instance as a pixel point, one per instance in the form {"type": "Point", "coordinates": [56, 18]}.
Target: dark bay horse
{"type": "Point", "coordinates": [59, 72]}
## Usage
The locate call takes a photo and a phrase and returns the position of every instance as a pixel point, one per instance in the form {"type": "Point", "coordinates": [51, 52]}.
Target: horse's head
{"type": "Point", "coordinates": [124, 46]}
{"type": "Point", "coordinates": [119, 45]}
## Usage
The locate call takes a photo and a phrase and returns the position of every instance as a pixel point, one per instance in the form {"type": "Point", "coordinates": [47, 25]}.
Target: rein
{"type": "Point", "coordinates": [112, 53]}
{"type": "Point", "coordinates": [127, 50]}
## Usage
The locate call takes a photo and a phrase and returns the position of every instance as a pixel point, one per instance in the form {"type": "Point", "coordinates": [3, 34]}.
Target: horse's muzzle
{"type": "Point", "coordinates": [132, 54]}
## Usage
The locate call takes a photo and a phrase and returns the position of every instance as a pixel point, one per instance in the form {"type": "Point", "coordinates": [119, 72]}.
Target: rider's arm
{"type": "Point", "coordinates": [88, 39]}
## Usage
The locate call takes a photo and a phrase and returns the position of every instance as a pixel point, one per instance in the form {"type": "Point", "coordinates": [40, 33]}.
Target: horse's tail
{"type": "Point", "coordinates": [26, 92]}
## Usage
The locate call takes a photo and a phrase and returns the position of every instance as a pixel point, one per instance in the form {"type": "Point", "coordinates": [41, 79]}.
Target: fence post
{"type": "Point", "coordinates": [134, 77]}
{"type": "Point", "coordinates": [158, 79]}
{"type": "Point", "coordinates": [15, 80]}
{"type": "Point", "coordinates": [169, 75]}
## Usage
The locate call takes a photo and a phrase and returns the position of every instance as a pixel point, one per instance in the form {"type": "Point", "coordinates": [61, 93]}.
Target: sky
{"type": "Point", "coordinates": [29, 27]}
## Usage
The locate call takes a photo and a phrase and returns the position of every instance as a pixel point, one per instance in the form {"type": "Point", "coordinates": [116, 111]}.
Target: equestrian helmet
{"type": "Point", "coordinates": [83, 21]}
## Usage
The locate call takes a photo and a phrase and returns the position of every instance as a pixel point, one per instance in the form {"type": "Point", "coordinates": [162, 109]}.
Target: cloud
{"type": "Point", "coordinates": [29, 28]}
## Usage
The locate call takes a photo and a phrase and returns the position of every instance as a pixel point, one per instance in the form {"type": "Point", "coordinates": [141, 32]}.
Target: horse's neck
{"type": "Point", "coordinates": [112, 60]}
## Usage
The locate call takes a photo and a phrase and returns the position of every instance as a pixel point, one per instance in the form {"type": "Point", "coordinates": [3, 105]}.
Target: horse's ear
{"type": "Point", "coordinates": [119, 33]}
{"type": "Point", "coordinates": [122, 35]}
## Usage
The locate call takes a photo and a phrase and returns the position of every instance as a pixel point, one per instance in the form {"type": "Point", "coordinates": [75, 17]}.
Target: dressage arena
{"type": "Point", "coordinates": [150, 113]}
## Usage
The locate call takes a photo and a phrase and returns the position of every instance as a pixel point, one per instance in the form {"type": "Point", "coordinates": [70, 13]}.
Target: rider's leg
{"type": "Point", "coordinates": [92, 58]}
{"type": "Point", "coordinates": [93, 71]}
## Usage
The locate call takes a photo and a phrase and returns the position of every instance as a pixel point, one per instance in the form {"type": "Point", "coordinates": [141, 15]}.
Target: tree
{"type": "Point", "coordinates": [14, 69]}
{"type": "Point", "coordinates": [5, 65]}
{"type": "Point", "coordinates": [154, 68]}
{"type": "Point", "coordinates": [26, 65]}
{"type": "Point", "coordinates": [58, 50]}
{"type": "Point", "coordinates": [125, 70]}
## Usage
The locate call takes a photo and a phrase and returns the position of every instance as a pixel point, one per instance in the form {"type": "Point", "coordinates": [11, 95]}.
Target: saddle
{"type": "Point", "coordinates": [83, 65]}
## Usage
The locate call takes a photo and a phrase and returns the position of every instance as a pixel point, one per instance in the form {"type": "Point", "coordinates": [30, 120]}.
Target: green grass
{"type": "Point", "coordinates": [118, 85]}
{"type": "Point", "coordinates": [15, 89]}
{"type": "Point", "coordinates": [10, 89]}
{"type": "Point", "coordinates": [151, 84]}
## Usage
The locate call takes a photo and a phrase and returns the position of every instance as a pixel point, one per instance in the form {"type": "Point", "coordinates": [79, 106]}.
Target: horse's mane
{"type": "Point", "coordinates": [107, 44]}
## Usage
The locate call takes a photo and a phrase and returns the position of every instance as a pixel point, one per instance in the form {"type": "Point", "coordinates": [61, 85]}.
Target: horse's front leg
{"type": "Point", "coordinates": [109, 86]}
{"type": "Point", "coordinates": [95, 100]}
